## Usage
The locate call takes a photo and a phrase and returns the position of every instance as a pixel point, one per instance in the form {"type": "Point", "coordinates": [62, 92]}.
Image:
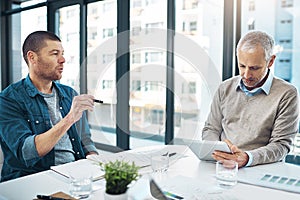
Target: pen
{"type": "Point", "coordinates": [169, 194]}
{"type": "Point", "coordinates": [169, 154]}
{"type": "Point", "coordinates": [48, 197]}
{"type": "Point", "coordinates": [98, 101]}
{"type": "Point", "coordinates": [172, 154]}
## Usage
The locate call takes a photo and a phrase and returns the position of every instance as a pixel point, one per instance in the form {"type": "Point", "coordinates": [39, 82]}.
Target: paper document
{"type": "Point", "coordinates": [193, 189]}
{"type": "Point", "coordinates": [78, 167]}
{"type": "Point", "coordinates": [269, 179]}
{"type": "Point", "coordinates": [141, 158]}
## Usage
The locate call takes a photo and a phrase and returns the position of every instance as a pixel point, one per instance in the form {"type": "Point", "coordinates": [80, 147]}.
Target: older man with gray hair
{"type": "Point", "coordinates": [255, 113]}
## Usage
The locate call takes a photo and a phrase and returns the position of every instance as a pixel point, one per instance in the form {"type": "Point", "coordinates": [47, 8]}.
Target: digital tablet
{"type": "Point", "coordinates": [203, 149]}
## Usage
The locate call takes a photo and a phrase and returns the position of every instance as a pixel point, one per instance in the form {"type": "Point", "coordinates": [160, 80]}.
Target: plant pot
{"type": "Point", "coordinates": [123, 196]}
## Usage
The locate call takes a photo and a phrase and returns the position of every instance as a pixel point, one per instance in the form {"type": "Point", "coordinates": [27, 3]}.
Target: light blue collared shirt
{"type": "Point", "coordinates": [264, 88]}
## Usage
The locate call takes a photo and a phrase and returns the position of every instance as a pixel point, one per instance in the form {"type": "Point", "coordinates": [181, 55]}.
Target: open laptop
{"type": "Point", "coordinates": [157, 193]}
{"type": "Point", "coordinates": [203, 149]}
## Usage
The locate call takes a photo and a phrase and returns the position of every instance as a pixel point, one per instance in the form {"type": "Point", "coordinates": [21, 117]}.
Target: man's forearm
{"type": "Point", "coordinates": [46, 141]}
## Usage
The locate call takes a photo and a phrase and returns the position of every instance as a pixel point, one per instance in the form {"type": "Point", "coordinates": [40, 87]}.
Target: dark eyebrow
{"type": "Point", "coordinates": [55, 50]}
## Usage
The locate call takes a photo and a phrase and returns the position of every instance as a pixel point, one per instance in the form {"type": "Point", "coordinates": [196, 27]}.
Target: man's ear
{"type": "Point", "coordinates": [31, 57]}
{"type": "Point", "coordinates": [271, 61]}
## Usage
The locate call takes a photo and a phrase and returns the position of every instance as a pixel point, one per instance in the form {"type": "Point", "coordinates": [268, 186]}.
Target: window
{"type": "Point", "coordinates": [192, 87]}
{"type": "Point", "coordinates": [107, 84]}
{"type": "Point", "coordinates": [92, 33]}
{"type": "Point", "coordinates": [288, 21]}
{"type": "Point", "coordinates": [136, 58]}
{"type": "Point", "coordinates": [107, 58]}
{"type": "Point", "coordinates": [153, 25]}
{"type": "Point", "coordinates": [136, 3]}
{"type": "Point", "coordinates": [282, 41]}
{"type": "Point", "coordinates": [136, 30]}
{"type": "Point", "coordinates": [69, 34]}
{"type": "Point", "coordinates": [193, 26]}
{"type": "Point", "coordinates": [20, 30]}
{"type": "Point", "coordinates": [108, 32]}
{"type": "Point", "coordinates": [101, 68]}
{"type": "Point", "coordinates": [189, 4]}
{"type": "Point", "coordinates": [149, 2]}
{"type": "Point", "coordinates": [108, 6]}
{"type": "Point", "coordinates": [152, 86]}
{"type": "Point", "coordinates": [251, 5]}
{"type": "Point", "coordinates": [136, 85]}
{"type": "Point", "coordinates": [286, 3]}
{"type": "Point", "coordinates": [152, 57]}
{"type": "Point", "coordinates": [251, 24]}
{"type": "Point", "coordinates": [70, 13]}
{"type": "Point", "coordinates": [199, 24]}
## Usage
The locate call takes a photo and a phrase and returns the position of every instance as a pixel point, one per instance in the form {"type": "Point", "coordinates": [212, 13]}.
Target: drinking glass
{"type": "Point", "coordinates": [159, 163]}
{"type": "Point", "coordinates": [81, 184]}
{"type": "Point", "coordinates": [226, 173]}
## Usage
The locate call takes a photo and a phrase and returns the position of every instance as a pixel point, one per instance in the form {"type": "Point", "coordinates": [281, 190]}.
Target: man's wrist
{"type": "Point", "coordinates": [250, 159]}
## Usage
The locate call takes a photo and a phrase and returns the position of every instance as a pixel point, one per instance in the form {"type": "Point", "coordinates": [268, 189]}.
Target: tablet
{"type": "Point", "coordinates": [203, 149]}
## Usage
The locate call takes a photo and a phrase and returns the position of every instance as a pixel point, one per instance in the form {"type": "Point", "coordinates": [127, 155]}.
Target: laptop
{"type": "Point", "coordinates": [203, 149]}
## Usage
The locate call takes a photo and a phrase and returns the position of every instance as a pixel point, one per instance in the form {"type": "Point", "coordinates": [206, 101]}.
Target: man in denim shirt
{"type": "Point", "coordinates": [43, 123]}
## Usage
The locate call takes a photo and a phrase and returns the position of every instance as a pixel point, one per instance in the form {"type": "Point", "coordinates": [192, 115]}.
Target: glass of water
{"type": "Point", "coordinates": [81, 185]}
{"type": "Point", "coordinates": [159, 163]}
{"type": "Point", "coordinates": [226, 173]}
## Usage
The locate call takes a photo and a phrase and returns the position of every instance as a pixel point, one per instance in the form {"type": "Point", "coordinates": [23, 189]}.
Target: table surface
{"type": "Point", "coordinates": [185, 167]}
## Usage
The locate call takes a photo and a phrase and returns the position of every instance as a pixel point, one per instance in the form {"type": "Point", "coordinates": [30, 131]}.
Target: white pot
{"type": "Point", "coordinates": [123, 196]}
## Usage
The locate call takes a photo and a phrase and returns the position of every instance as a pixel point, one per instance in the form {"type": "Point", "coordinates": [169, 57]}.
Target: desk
{"type": "Point", "coordinates": [49, 182]}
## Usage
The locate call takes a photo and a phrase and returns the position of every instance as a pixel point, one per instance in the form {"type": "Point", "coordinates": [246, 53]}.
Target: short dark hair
{"type": "Point", "coordinates": [35, 41]}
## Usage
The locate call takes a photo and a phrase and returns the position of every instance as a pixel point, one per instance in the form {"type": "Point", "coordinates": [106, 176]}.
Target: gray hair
{"type": "Point", "coordinates": [252, 39]}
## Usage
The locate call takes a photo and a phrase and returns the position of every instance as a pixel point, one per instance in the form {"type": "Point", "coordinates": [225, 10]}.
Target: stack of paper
{"type": "Point", "coordinates": [139, 159]}
{"type": "Point", "coordinates": [78, 167]}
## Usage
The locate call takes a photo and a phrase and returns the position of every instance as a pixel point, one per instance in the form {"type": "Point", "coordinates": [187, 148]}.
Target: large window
{"type": "Point", "coordinates": [89, 34]}
{"type": "Point", "coordinates": [101, 68]}
{"type": "Point", "coordinates": [20, 30]}
{"type": "Point", "coordinates": [68, 31]}
{"type": "Point", "coordinates": [198, 49]}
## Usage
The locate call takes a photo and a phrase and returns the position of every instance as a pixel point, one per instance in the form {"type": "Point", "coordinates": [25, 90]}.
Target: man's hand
{"type": "Point", "coordinates": [80, 104]}
{"type": "Point", "coordinates": [237, 155]}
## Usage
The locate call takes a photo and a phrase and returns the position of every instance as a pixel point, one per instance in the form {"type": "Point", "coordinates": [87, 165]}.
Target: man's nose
{"type": "Point", "coordinates": [62, 59]}
{"type": "Point", "coordinates": [247, 73]}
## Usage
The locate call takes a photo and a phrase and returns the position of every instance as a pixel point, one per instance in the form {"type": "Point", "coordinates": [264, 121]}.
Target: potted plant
{"type": "Point", "coordinates": [118, 175]}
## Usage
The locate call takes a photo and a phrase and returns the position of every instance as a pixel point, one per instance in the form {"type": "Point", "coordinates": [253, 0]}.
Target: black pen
{"type": "Point", "coordinates": [172, 154]}
{"type": "Point", "coordinates": [98, 101]}
{"type": "Point", "coordinates": [39, 196]}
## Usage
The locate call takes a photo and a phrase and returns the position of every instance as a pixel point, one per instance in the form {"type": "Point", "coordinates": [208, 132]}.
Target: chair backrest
{"type": "Point", "coordinates": [1, 160]}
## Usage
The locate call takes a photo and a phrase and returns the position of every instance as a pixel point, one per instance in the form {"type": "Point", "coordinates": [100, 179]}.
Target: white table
{"type": "Point", "coordinates": [49, 182]}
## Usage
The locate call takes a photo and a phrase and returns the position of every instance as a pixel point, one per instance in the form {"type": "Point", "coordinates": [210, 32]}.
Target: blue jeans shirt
{"type": "Point", "coordinates": [23, 115]}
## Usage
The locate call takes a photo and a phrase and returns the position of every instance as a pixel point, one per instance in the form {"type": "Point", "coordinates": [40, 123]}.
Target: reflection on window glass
{"type": "Point", "coordinates": [69, 35]}
{"type": "Point", "coordinates": [20, 30]}
{"type": "Point", "coordinates": [198, 48]}
{"type": "Point", "coordinates": [101, 65]}
{"type": "Point", "coordinates": [281, 21]}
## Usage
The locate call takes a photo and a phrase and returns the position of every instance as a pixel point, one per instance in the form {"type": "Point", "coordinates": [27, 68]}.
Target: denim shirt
{"type": "Point", "coordinates": [23, 115]}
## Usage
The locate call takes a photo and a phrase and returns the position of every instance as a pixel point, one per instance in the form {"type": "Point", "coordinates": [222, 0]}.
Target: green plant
{"type": "Point", "coordinates": [118, 175]}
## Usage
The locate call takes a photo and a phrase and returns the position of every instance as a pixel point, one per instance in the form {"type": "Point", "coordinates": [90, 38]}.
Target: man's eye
{"type": "Point", "coordinates": [254, 68]}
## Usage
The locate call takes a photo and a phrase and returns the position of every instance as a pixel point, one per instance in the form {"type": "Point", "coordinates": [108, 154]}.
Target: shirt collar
{"type": "Point", "coordinates": [33, 91]}
{"type": "Point", "coordinates": [265, 87]}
